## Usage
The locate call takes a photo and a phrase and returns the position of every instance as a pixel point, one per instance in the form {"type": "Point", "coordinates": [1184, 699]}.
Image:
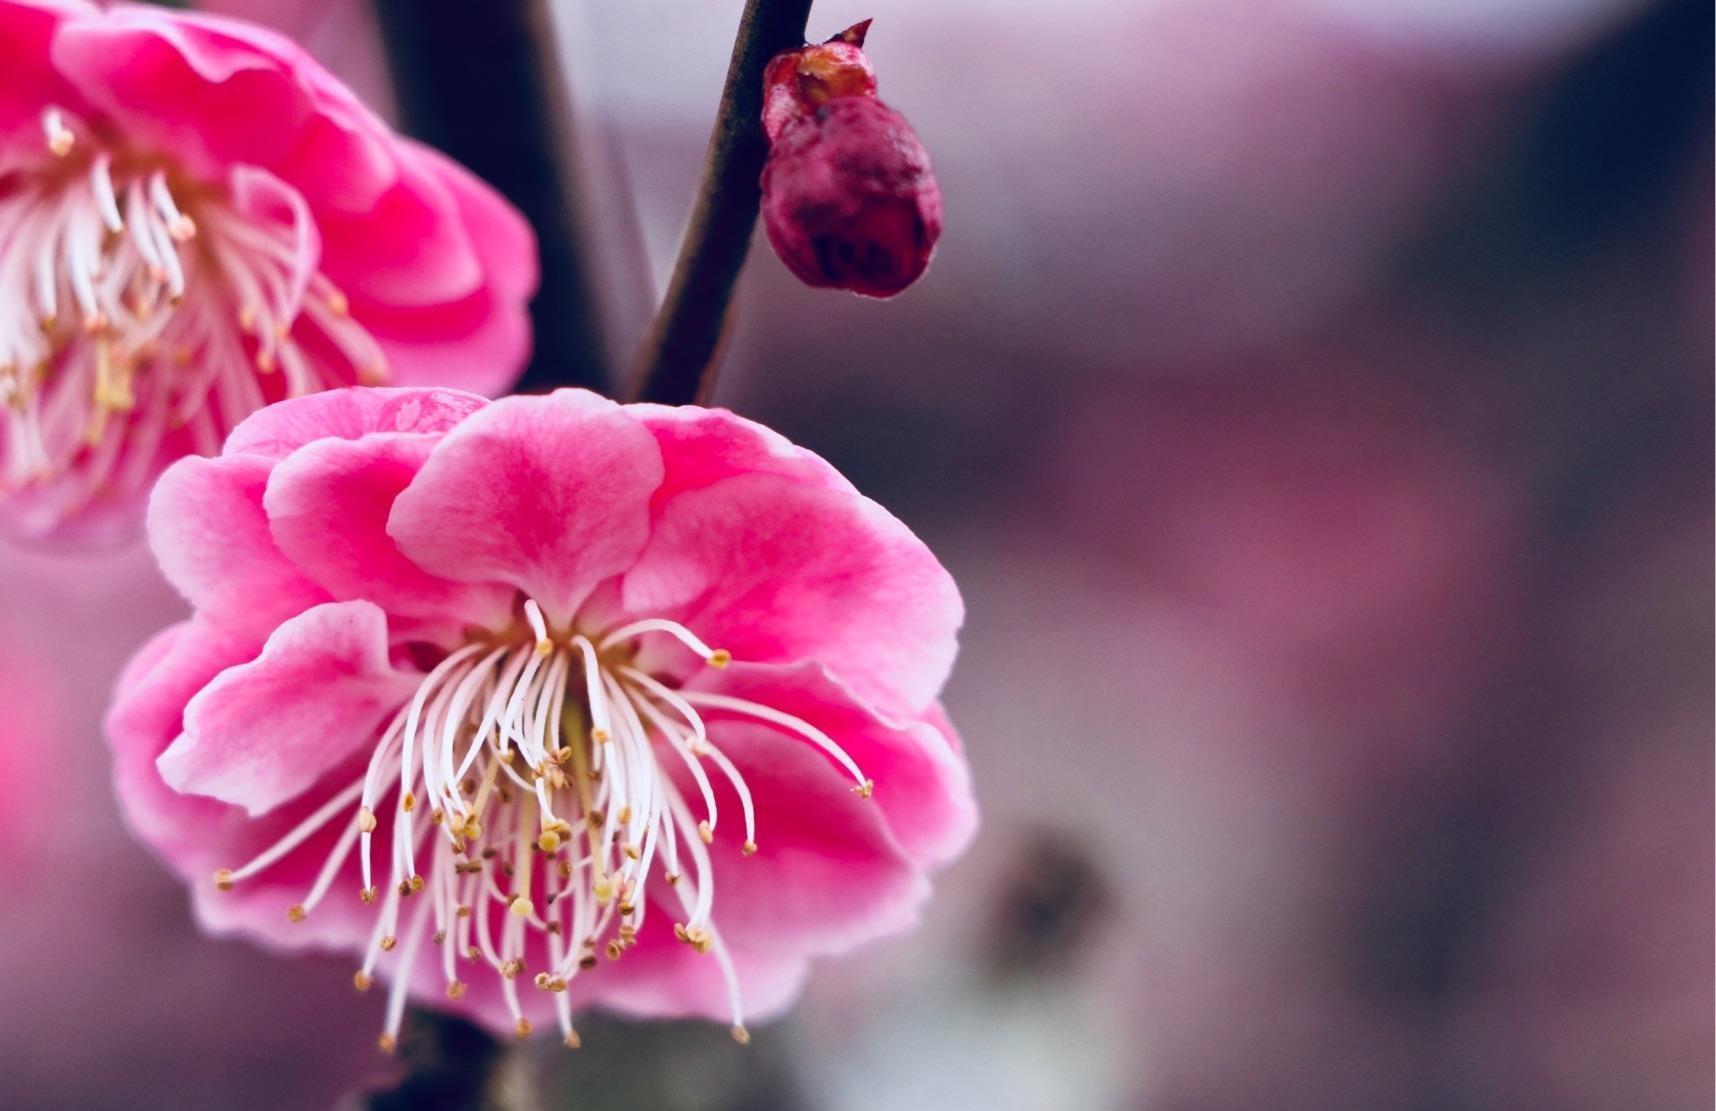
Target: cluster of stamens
{"type": "Point", "coordinates": [528, 800]}
{"type": "Point", "coordinates": [123, 318]}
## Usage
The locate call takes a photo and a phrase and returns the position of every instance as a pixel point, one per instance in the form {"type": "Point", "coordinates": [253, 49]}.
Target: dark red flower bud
{"type": "Point", "coordinates": [849, 199]}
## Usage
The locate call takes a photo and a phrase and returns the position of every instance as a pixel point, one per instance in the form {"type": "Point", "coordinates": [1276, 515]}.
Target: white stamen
{"type": "Point", "coordinates": [672, 628]}
{"type": "Point", "coordinates": [550, 835]}
{"type": "Point", "coordinates": [600, 723]}
{"type": "Point", "coordinates": [154, 343]}
{"type": "Point", "coordinates": [533, 614]}
{"type": "Point", "coordinates": [785, 721]}
{"type": "Point", "coordinates": [101, 183]}
{"type": "Point", "coordinates": [59, 136]}
{"type": "Point", "coordinates": [299, 833]}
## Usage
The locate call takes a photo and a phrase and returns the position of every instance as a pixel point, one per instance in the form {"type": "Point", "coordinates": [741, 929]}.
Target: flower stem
{"type": "Point", "coordinates": [512, 126]}
{"type": "Point", "coordinates": [678, 361]}
{"type": "Point", "coordinates": [451, 1062]}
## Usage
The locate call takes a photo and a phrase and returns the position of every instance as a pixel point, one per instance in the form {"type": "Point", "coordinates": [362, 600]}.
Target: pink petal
{"type": "Point", "coordinates": [923, 784]}
{"type": "Point", "coordinates": [549, 494]}
{"type": "Point", "coordinates": [196, 85]}
{"type": "Point", "coordinates": [479, 341]}
{"type": "Point", "coordinates": [664, 978]}
{"type": "Point", "coordinates": [281, 428]}
{"type": "Point", "coordinates": [828, 873]}
{"type": "Point", "coordinates": [263, 732]}
{"type": "Point", "coordinates": [194, 835]}
{"type": "Point", "coordinates": [700, 447]}
{"type": "Point", "coordinates": [28, 83]}
{"type": "Point", "coordinates": [199, 88]}
{"type": "Point", "coordinates": [409, 248]}
{"type": "Point", "coordinates": [328, 504]}
{"type": "Point", "coordinates": [777, 571]}
{"type": "Point", "coordinates": [212, 540]}
{"type": "Point", "coordinates": [146, 716]}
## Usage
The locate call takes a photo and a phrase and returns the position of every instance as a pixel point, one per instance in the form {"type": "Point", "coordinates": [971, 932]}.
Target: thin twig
{"type": "Point", "coordinates": [678, 361]}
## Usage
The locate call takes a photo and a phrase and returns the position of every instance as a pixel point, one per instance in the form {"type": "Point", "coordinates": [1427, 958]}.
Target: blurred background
{"type": "Point", "coordinates": [1313, 400]}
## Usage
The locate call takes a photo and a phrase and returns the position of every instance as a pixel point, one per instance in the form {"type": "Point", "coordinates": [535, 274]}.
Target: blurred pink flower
{"type": "Point", "coordinates": [198, 220]}
{"type": "Point", "coordinates": [412, 589]}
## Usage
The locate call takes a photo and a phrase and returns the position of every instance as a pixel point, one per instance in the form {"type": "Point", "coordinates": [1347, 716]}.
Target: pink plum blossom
{"type": "Point", "coordinates": [197, 220]}
{"type": "Point", "coordinates": [543, 703]}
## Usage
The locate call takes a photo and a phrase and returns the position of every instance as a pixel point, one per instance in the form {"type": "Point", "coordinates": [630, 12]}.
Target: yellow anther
{"type": "Point", "coordinates": [366, 820]}
{"type": "Point", "coordinates": [387, 1043]}
{"type": "Point", "coordinates": [388, 942]}
{"type": "Point", "coordinates": [408, 803]}
{"type": "Point", "coordinates": [455, 988]}
{"type": "Point", "coordinates": [741, 1035]}
{"type": "Point", "coordinates": [337, 303]}
{"type": "Point", "coordinates": [367, 894]}
{"type": "Point", "coordinates": [748, 848]}
{"type": "Point", "coordinates": [361, 980]}
{"type": "Point", "coordinates": [706, 832]}
{"type": "Point", "coordinates": [223, 879]}
{"type": "Point", "coordinates": [521, 906]}
{"type": "Point", "coordinates": [522, 1028]}
{"type": "Point", "coordinates": [572, 1040]}
{"type": "Point", "coordinates": [695, 936]}
{"type": "Point", "coordinates": [295, 913]}
{"type": "Point", "coordinates": [865, 789]}
{"type": "Point", "coordinates": [720, 658]}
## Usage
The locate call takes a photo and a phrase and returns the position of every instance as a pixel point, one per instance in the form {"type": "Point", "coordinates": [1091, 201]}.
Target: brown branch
{"type": "Point", "coordinates": [452, 1064]}
{"type": "Point", "coordinates": [678, 360]}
